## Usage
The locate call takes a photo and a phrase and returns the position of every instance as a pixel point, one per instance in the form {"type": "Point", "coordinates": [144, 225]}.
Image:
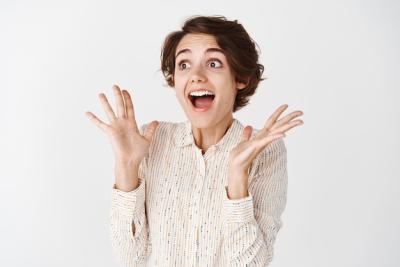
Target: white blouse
{"type": "Point", "coordinates": [181, 212]}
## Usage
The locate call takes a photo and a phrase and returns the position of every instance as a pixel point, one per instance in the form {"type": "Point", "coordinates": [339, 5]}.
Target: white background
{"type": "Point", "coordinates": [337, 61]}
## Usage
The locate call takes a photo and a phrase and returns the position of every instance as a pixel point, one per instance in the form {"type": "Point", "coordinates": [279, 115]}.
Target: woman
{"type": "Point", "coordinates": [207, 191]}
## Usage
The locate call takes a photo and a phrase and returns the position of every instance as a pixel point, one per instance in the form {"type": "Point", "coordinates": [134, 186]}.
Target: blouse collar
{"type": "Point", "coordinates": [231, 138]}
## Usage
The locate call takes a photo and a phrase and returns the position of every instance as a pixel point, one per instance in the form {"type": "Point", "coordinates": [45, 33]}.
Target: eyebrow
{"type": "Point", "coordinates": [187, 50]}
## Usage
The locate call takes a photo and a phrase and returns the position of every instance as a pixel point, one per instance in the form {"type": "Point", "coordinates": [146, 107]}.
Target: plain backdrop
{"type": "Point", "coordinates": [337, 61]}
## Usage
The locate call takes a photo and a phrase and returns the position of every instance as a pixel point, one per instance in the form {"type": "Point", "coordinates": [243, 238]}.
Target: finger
{"type": "Point", "coordinates": [129, 108]}
{"type": "Point", "coordinates": [130, 112]}
{"type": "Point", "coordinates": [120, 102]}
{"type": "Point", "coordinates": [271, 120]}
{"type": "Point", "coordinates": [101, 125]}
{"type": "Point", "coordinates": [287, 126]}
{"type": "Point", "coordinates": [246, 134]}
{"type": "Point", "coordinates": [109, 111]}
{"type": "Point", "coordinates": [286, 119]}
{"type": "Point", "coordinates": [150, 129]}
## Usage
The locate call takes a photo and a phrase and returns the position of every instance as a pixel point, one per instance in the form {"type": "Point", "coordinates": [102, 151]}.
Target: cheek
{"type": "Point", "coordinates": [179, 80]}
{"type": "Point", "coordinates": [179, 89]}
{"type": "Point", "coordinates": [227, 87]}
{"type": "Point", "coordinates": [223, 79]}
{"type": "Point", "coordinates": [227, 98]}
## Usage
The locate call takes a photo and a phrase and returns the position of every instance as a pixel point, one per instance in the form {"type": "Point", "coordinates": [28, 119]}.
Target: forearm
{"type": "Point", "coordinates": [128, 225]}
{"type": "Point", "coordinates": [245, 244]}
{"type": "Point", "coordinates": [251, 223]}
{"type": "Point", "coordinates": [243, 239]}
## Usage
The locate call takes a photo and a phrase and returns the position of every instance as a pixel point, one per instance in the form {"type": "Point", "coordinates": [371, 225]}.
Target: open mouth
{"type": "Point", "coordinates": [201, 103]}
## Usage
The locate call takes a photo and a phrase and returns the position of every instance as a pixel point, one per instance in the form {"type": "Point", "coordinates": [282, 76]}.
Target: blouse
{"type": "Point", "coordinates": [181, 215]}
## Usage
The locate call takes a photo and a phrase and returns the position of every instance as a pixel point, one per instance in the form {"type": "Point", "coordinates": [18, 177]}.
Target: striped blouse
{"type": "Point", "coordinates": [180, 215]}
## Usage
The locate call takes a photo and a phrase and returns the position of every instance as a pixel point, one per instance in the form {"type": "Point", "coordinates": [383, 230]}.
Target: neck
{"type": "Point", "coordinates": [206, 137]}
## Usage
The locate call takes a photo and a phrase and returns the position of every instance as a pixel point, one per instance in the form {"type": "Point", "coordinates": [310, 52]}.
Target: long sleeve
{"type": "Point", "coordinates": [128, 222]}
{"type": "Point", "coordinates": [252, 223]}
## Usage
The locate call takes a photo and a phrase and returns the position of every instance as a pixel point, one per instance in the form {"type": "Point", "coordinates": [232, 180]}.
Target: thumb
{"type": "Point", "coordinates": [150, 129]}
{"type": "Point", "coordinates": [246, 133]}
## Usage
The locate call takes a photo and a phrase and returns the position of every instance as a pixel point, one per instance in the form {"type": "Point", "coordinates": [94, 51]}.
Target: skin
{"type": "Point", "coordinates": [130, 147]}
{"type": "Point", "coordinates": [210, 70]}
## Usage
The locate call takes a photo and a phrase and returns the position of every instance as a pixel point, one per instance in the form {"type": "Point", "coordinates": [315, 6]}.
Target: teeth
{"type": "Point", "coordinates": [201, 93]}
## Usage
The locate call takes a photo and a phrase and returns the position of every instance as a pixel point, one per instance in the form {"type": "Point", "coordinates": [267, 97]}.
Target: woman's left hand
{"type": "Point", "coordinates": [241, 157]}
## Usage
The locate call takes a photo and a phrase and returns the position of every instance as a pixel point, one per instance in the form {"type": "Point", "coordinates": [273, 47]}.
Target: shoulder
{"type": "Point", "coordinates": [163, 127]}
{"type": "Point", "coordinates": [167, 131]}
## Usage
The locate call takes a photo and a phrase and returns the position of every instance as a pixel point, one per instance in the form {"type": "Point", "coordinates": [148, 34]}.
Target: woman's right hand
{"type": "Point", "coordinates": [129, 146]}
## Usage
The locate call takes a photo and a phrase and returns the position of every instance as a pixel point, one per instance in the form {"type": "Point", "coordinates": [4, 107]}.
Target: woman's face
{"type": "Point", "coordinates": [200, 64]}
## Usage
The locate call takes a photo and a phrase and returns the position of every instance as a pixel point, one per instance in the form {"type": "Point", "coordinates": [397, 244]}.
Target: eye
{"type": "Point", "coordinates": [183, 64]}
{"type": "Point", "coordinates": [215, 63]}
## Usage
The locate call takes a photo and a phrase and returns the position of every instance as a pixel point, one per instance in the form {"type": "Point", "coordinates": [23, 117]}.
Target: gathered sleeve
{"type": "Point", "coordinates": [128, 221]}
{"type": "Point", "coordinates": [252, 223]}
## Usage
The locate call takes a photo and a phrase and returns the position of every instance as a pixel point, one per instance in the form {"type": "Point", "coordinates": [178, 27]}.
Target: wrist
{"type": "Point", "coordinates": [126, 176]}
{"type": "Point", "coordinates": [237, 175]}
{"type": "Point", "coordinates": [238, 188]}
{"type": "Point", "coordinates": [127, 163]}
{"type": "Point", "coordinates": [237, 191]}
{"type": "Point", "coordinates": [127, 186]}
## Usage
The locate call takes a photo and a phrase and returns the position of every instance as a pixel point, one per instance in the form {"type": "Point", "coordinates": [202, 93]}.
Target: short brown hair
{"type": "Point", "coordinates": [238, 47]}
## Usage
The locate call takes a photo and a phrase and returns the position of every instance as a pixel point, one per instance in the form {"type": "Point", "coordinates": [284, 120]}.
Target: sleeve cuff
{"type": "Point", "coordinates": [238, 210]}
{"type": "Point", "coordinates": [128, 202]}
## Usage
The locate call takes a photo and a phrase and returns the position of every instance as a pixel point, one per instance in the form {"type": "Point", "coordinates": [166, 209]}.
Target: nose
{"type": "Point", "coordinates": [198, 75]}
{"type": "Point", "coordinates": [196, 78]}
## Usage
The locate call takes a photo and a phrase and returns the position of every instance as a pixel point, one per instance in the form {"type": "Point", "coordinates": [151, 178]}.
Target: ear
{"type": "Point", "coordinates": [241, 85]}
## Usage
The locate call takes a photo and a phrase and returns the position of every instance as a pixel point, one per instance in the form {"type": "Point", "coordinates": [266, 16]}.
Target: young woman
{"type": "Point", "coordinates": [207, 191]}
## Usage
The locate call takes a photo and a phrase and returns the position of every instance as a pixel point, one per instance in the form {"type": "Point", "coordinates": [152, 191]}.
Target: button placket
{"type": "Point", "coordinates": [198, 184]}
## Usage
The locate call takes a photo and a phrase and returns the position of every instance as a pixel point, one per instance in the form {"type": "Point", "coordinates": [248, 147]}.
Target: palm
{"type": "Point", "coordinates": [125, 138]}
{"type": "Point", "coordinates": [244, 153]}
{"type": "Point", "coordinates": [127, 142]}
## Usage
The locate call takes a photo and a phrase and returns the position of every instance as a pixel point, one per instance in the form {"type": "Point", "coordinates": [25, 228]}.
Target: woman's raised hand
{"type": "Point", "coordinates": [244, 153]}
{"type": "Point", "coordinates": [129, 146]}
